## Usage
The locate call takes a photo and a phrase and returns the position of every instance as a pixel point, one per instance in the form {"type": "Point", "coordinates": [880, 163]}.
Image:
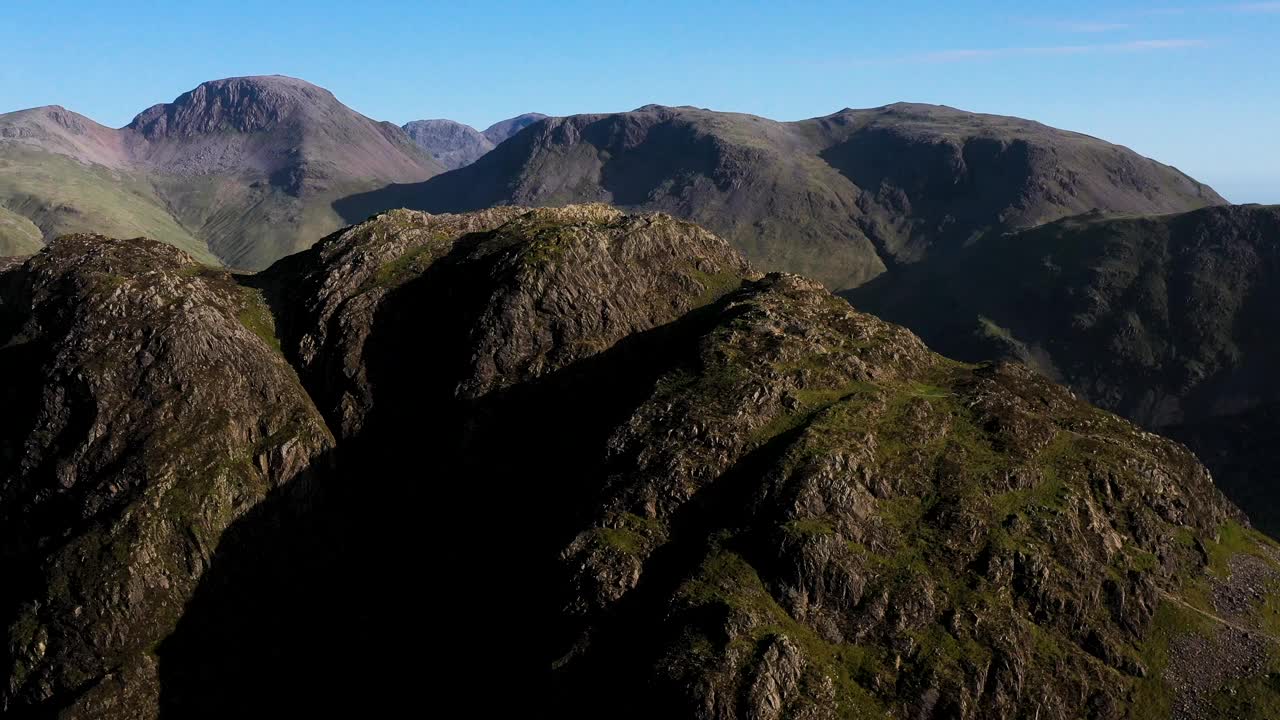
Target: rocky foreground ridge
{"type": "Point", "coordinates": [580, 464]}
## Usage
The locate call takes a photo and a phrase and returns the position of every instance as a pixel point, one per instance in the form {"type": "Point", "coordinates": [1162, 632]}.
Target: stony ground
{"type": "Point", "coordinates": [1200, 666]}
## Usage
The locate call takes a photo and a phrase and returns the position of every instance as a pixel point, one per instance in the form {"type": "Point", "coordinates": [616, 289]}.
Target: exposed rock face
{"type": "Point", "coordinates": [930, 534]}
{"type": "Point", "coordinates": [841, 198]}
{"type": "Point", "coordinates": [522, 320]}
{"type": "Point", "coordinates": [455, 145]}
{"type": "Point", "coordinates": [144, 414]}
{"type": "Point", "coordinates": [601, 451]}
{"type": "Point", "coordinates": [767, 506]}
{"type": "Point", "coordinates": [274, 124]}
{"type": "Point", "coordinates": [1166, 320]}
{"type": "Point", "coordinates": [450, 143]}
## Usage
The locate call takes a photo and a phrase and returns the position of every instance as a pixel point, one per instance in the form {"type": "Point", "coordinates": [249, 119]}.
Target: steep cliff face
{"type": "Point", "coordinates": [147, 407]}
{"type": "Point", "coordinates": [449, 143]}
{"type": "Point", "coordinates": [603, 468]}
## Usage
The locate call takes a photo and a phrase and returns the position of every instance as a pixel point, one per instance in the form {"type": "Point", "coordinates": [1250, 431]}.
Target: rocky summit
{"type": "Point", "coordinates": [455, 145]}
{"type": "Point", "coordinates": [148, 409]}
{"type": "Point", "coordinates": [573, 463]}
{"type": "Point", "coordinates": [239, 171]}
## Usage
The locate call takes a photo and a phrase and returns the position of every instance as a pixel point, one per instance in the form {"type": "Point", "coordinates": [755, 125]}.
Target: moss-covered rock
{"type": "Point", "coordinates": [145, 412]}
{"type": "Point", "coordinates": [599, 467]}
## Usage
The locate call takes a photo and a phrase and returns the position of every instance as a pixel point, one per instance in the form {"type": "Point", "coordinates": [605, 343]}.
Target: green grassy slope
{"type": "Point", "coordinates": [18, 235]}
{"type": "Point", "coordinates": [60, 195]}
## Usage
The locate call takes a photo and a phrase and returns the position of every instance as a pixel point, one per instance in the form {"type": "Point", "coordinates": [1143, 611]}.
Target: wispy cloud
{"type": "Point", "coordinates": [1157, 45]}
{"type": "Point", "coordinates": [963, 55]}
{"type": "Point", "coordinates": [1257, 7]}
{"type": "Point", "coordinates": [1081, 26]}
{"type": "Point", "coordinates": [1159, 12]}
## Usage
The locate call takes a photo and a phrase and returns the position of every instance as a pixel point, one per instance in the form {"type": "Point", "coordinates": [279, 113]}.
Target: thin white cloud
{"type": "Point", "coordinates": [1257, 7]}
{"type": "Point", "coordinates": [1159, 45]}
{"type": "Point", "coordinates": [1082, 26]}
{"type": "Point", "coordinates": [1164, 11]}
{"type": "Point", "coordinates": [963, 55]}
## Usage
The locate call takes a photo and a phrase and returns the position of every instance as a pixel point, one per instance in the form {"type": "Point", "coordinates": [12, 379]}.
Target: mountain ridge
{"type": "Point", "coordinates": [681, 483]}
{"type": "Point", "coordinates": [243, 170]}
{"type": "Point", "coordinates": [254, 167]}
{"type": "Point", "coordinates": [844, 197]}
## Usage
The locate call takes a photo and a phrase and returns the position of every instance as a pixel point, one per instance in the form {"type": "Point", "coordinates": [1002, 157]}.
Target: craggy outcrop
{"type": "Point", "coordinates": [739, 497]}
{"type": "Point", "coordinates": [591, 464]}
{"type": "Point", "coordinates": [147, 407]}
{"type": "Point", "coordinates": [938, 540]}
{"type": "Point", "coordinates": [526, 293]}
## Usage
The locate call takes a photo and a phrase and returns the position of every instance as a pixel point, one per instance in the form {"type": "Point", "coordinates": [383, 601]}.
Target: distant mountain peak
{"type": "Point", "coordinates": [55, 114]}
{"type": "Point", "coordinates": [59, 130]}
{"type": "Point", "coordinates": [240, 104]}
{"type": "Point", "coordinates": [498, 132]}
{"type": "Point", "coordinates": [450, 143]}
{"type": "Point", "coordinates": [454, 144]}
{"type": "Point", "coordinates": [276, 151]}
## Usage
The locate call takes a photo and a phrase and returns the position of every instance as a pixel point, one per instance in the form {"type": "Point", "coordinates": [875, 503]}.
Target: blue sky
{"type": "Point", "coordinates": [1191, 84]}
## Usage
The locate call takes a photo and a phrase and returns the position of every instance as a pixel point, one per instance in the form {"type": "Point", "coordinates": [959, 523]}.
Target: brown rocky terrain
{"type": "Point", "coordinates": [149, 408]}
{"type": "Point", "coordinates": [602, 467]}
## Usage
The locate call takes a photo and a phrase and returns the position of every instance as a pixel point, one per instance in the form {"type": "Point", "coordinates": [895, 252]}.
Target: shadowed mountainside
{"type": "Point", "coordinates": [840, 198]}
{"type": "Point", "coordinates": [1167, 320]}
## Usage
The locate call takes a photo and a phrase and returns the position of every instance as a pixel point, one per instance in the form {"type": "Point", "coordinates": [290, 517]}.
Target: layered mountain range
{"type": "Point", "coordinates": [602, 465]}
{"type": "Point", "coordinates": [246, 170]}
{"type": "Point", "coordinates": [596, 460]}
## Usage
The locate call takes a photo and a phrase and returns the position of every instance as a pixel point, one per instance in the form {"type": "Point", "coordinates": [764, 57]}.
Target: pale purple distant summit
{"type": "Point", "coordinates": [455, 145]}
